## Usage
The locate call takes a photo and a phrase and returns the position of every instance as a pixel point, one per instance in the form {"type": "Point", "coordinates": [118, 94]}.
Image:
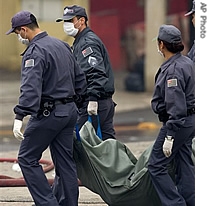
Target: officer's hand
{"type": "Point", "coordinates": [167, 146]}
{"type": "Point", "coordinates": [16, 129]}
{"type": "Point", "coordinates": [92, 107]}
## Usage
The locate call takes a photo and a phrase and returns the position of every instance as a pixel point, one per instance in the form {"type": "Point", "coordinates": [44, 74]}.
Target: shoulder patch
{"type": "Point", "coordinates": [29, 63]}
{"type": "Point", "coordinates": [172, 82]}
{"type": "Point", "coordinates": [87, 51]}
{"type": "Point", "coordinates": [92, 61]}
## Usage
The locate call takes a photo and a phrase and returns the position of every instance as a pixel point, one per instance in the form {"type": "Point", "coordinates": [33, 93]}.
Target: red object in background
{"type": "Point", "coordinates": [128, 11]}
{"type": "Point", "coordinates": [109, 19]}
{"type": "Point", "coordinates": [107, 28]}
{"type": "Point", "coordinates": [7, 181]}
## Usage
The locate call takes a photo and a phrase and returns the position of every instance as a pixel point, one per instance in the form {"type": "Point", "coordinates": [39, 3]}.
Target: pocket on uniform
{"type": "Point", "coordinates": [61, 114]}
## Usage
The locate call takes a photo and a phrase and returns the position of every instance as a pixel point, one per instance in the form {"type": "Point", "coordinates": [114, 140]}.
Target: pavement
{"type": "Point", "coordinates": [126, 102]}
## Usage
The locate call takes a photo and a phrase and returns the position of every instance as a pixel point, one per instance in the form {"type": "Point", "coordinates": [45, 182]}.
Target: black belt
{"type": "Point", "coordinates": [63, 101]}
{"type": "Point", "coordinates": [102, 97]}
{"type": "Point", "coordinates": [48, 106]}
{"type": "Point", "coordinates": [163, 116]}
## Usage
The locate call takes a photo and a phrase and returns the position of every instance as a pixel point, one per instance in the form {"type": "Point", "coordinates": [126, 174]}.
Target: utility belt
{"type": "Point", "coordinates": [48, 106]}
{"type": "Point", "coordinates": [104, 96]}
{"type": "Point", "coordinates": [163, 116]}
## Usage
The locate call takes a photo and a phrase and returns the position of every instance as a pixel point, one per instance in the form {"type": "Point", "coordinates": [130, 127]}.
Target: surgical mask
{"type": "Point", "coordinates": [160, 52]}
{"type": "Point", "coordinates": [69, 29]}
{"type": "Point", "coordinates": [22, 40]}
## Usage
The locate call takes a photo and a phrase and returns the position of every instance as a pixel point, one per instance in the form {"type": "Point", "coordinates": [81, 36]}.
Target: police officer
{"type": "Point", "coordinates": [191, 53]}
{"type": "Point", "coordinates": [50, 78]}
{"type": "Point", "coordinates": [93, 58]}
{"type": "Point", "coordinates": [174, 102]}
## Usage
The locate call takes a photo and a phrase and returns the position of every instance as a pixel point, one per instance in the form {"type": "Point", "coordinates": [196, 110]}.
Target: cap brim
{"type": "Point", "coordinates": [10, 31]}
{"type": "Point", "coordinates": [59, 20]}
{"type": "Point", "coordinates": [189, 13]}
{"type": "Point", "coordinates": [64, 18]}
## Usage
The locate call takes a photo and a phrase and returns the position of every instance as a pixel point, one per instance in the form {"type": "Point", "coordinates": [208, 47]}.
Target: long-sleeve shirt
{"type": "Point", "coordinates": [49, 71]}
{"type": "Point", "coordinates": [175, 91]}
{"type": "Point", "coordinates": [93, 58]}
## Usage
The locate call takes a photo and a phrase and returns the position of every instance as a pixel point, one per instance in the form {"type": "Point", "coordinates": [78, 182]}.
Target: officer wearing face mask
{"type": "Point", "coordinates": [22, 40]}
{"type": "Point", "coordinates": [50, 79]}
{"type": "Point", "coordinates": [174, 103]}
{"type": "Point", "coordinates": [93, 58]}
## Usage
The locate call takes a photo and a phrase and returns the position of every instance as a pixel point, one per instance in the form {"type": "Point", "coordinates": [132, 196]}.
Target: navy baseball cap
{"type": "Point", "coordinates": [192, 11]}
{"type": "Point", "coordinates": [72, 11]}
{"type": "Point", "coordinates": [170, 34]}
{"type": "Point", "coordinates": [20, 19]}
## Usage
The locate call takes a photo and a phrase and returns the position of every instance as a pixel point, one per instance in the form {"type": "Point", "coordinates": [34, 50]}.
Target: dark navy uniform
{"type": "Point", "coordinates": [174, 102]}
{"type": "Point", "coordinates": [191, 53]}
{"type": "Point", "coordinates": [93, 58]}
{"type": "Point", "coordinates": [50, 79]}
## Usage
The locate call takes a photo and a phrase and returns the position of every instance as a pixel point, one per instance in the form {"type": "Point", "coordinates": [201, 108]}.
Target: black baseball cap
{"type": "Point", "coordinates": [20, 19]}
{"type": "Point", "coordinates": [72, 11]}
{"type": "Point", "coordinates": [192, 11]}
{"type": "Point", "coordinates": [170, 34]}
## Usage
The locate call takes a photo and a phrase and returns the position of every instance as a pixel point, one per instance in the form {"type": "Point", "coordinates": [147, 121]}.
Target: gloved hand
{"type": "Point", "coordinates": [16, 129]}
{"type": "Point", "coordinates": [167, 146]}
{"type": "Point", "coordinates": [92, 108]}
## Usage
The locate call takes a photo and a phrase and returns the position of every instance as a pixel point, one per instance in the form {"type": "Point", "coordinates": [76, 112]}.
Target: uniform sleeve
{"type": "Point", "coordinates": [91, 61]}
{"type": "Point", "coordinates": [31, 87]}
{"type": "Point", "coordinates": [80, 80]}
{"type": "Point", "coordinates": [191, 53]}
{"type": "Point", "coordinates": [175, 102]}
{"type": "Point", "coordinates": [80, 83]}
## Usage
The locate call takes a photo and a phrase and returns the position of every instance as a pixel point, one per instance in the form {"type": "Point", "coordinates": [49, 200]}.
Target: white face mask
{"type": "Point", "coordinates": [69, 29]}
{"type": "Point", "coordinates": [160, 52]}
{"type": "Point", "coordinates": [22, 40]}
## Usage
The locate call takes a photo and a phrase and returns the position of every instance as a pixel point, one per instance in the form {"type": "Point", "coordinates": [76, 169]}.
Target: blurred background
{"type": "Point", "coordinates": [127, 28]}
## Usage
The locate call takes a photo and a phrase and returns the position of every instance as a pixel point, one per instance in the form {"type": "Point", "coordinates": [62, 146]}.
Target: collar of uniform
{"type": "Point", "coordinates": [167, 63]}
{"type": "Point", "coordinates": [38, 36]}
{"type": "Point", "coordinates": [82, 33]}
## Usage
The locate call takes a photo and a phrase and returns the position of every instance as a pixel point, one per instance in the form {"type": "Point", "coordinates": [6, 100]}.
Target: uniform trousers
{"type": "Point", "coordinates": [106, 109]}
{"type": "Point", "coordinates": [55, 131]}
{"type": "Point", "coordinates": [181, 191]}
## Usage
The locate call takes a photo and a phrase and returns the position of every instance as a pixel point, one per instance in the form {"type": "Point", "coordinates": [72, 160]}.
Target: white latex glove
{"type": "Point", "coordinates": [167, 146]}
{"type": "Point", "coordinates": [16, 129]}
{"type": "Point", "coordinates": [92, 108]}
